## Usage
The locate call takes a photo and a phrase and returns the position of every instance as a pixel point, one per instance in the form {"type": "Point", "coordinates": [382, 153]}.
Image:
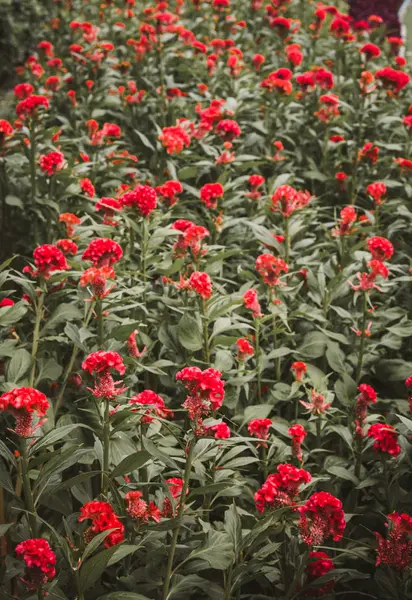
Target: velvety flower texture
{"type": "Point", "coordinates": [206, 390]}
{"type": "Point", "coordinates": [319, 564]}
{"type": "Point", "coordinates": [298, 434]}
{"type": "Point", "coordinates": [100, 364]}
{"type": "Point", "coordinates": [157, 405]}
{"type": "Point", "coordinates": [103, 252]}
{"type": "Point", "coordinates": [209, 194]}
{"type": "Point", "coordinates": [23, 403]}
{"type": "Point", "coordinates": [51, 163]}
{"type": "Point", "coordinates": [47, 258]}
{"type": "Point", "coordinates": [282, 488]}
{"type": "Point", "coordinates": [259, 428]}
{"type": "Point", "coordinates": [321, 517]}
{"type": "Point", "coordinates": [270, 268]}
{"type": "Point", "coordinates": [40, 562]}
{"type": "Point", "coordinates": [143, 199]}
{"type": "Point", "coordinates": [385, 439]}
{"type": "Point", "coordinates": [103, 518]}
{"type": "Point", "coordinates": [250, 300]}
{"type": "Point", "coordinates": [244, 348]}
{"type": "Point", "coordinates": [139, 510]}
{"type": "Point", "coordinates": [396, 550]}
{"type": "Point", "coordinates": [201, 283]}
{"type": "Point", "coordinates": [380, 248]}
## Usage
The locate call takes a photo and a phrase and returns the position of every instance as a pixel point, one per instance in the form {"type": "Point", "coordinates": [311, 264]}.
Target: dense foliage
{"type": "Point", "coordinates": [204, 354]}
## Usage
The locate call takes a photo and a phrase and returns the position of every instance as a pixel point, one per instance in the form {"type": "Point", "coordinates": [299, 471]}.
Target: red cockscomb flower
{"type": "Point", "coordinates": [201, 283]}
{"type": "Point", "coordinates": [40, 562]}
{"type": "Point", "coordinates": [103, 252]}
{"type": "Point", "coordinates": [51, 163]}
{"type": "Point", "coordinates": [282, 488]}
{"type": "Point", "coordinates": [97, 277]}
{"type": "Point", "coordinates": [175, 139]}
{"type": "Point", "coordinates": [370, 51]}
{"type": "Point", "coordinates": [23, 403]}
{"type": "Point", "coordinates": [158, 408]}
{"type": "Point", "coordinates": [396, 550]}
{"type": "Point", "coordinates": [377, 190]}
{"type": "Point", "coordinates": [143, 199]}
{"type": "Point", "coordinates": [206, 391]}
{"type": "Point", "coordinates": [385, 439]}
{"type": "Point", "coordinates": [30, 106]}
{"type": "Point", "coordinates": [270, 268]}
{"type": "Point", "coordinates": [319, 564]}
{"type": "Point", "coordinates": [244, 348]}
{"type": "Point", "coordinates": [250, 300]}
{"type": "Point", "coordinates": [47, 258]}
{"type": "Point", "coordinates": [298, 434]}
{"type": "Point", "coordinates": [392, 79]}
{"type": "Point", "coordinates": [321, 517]}
{"type": "Point", "coordinates": [209, 194]}
{"type": "Point", "coordinates": [259, 428]}
{"type": "Point", "coordinates": [103, 518]}
{"type": "Point", "coordinates": [300, 369]}
{"type": "Point", "coordinates": [67, 247]}
{"type": "Point", "coordinates": [228, 130]}
{"type": "Point", "coordinates": [380, 248]}
{"type": "Point", "coordinates": [100, 364]}
{"type": "Point", "coordinates": [169, 191]}
{"type": "Point", "coordinates": [87, 187]}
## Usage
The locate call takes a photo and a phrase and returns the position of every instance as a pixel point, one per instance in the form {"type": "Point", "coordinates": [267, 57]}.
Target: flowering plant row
{"type": "Point", "coordinates": [206, 377]}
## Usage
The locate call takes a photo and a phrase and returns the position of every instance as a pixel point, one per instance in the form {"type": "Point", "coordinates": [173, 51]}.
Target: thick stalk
{"type": "Point", "coordinates": [176, 531]}
{"type": "Point", "coordinates": [33, 192]}
{"type": "Point", "coordinates": [131, 242]}
{"type": "Point", "coordinates": [205, 323]}
{"type": "Point", "coordinates": [362, 337]}
{"type": "Point", "coordinates": [36, 335]}
{"type": "Point", "coordinates": [257, 356]}
{"type": "Point", "coordinates": [100, 323]}
{"type": "Point", "coordinates": [287, 240]}
{"type": "Point", "coordinates": [143, 470]}
{"type": "Point", "coordinates": [358, 463]}
{"type": "Point", "coordinates": [319, 431]}
{"type": "Point", "coordinates": [28, 494]}
{"type": "Point", "coordinates": [106, 448]}
{"type": "Point", "coordinates": [264, 461]}
{"type": "Point", "coordinates": [143, 256]}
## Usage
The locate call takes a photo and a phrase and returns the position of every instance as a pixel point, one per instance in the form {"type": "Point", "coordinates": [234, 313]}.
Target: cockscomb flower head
{"type": "Point", "coordinates": [103, 252]}
{"type": "Point", "coordinates": [321, 517]}
{"type": "Point", "coordinates": [282, 488]}
{"type": "Point", "coordinates": [24, 403]}
{"type": "Point", "coordinates": [40, 562]}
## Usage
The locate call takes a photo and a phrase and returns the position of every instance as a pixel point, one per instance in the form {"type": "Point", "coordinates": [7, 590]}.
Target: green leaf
{"type": "Point", "coordinates": [4, 528]}
{"type": "Point", "coordinates": [10, 315]}
{"type": "Point", "coordinates": [93, 569]}
{"type": "Point", "coordinates": [393, 370]}
{"type": "Point", "coordinates": [216, 550]}
{"type": "Point", "coordinates": [95, 543]}
{"type": "Point", "coordinates": [56, 435]}
{"type": "Point", "coordinates": [313, 345]}
{"type": "Point", "coordinates": [19, 365]}
{"type": "Point", "coordinates": [5, 479]}
{"type": "Point", "coordinates": [131, 463]}
{"type": "Point", "coordinates": [189, 333]}
{"type": "Point", "coordinates": [64, 313]}
{"type": "Point", "coordinates": [233, 527]}
{"type": "Point", "coordinates": [343, 473]}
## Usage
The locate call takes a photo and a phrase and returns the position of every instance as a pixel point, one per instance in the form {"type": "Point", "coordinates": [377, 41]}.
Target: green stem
{"type": "Point", "coordinates": [205, 322]}
{"type": "Point", "coordinates": [275, 344]}
{"type": "Point", "coordinates": [143, 470]}
{"type": "Point", "coordinates": [319, 431]}
{"type": "Point", "coordinates": [106, 448]}
{"type": "Point", "coordinates": [386, 478]}
{"type": "Point", "coordinates": [36, 335]}
{"type": "Point", "coordinates": [33, 179]}
{"type": "Point", "coordinates": [143, 257]}
{"type": "Point", "coordinates": [287, 240]}
{"type": "Point", "coordinates": [257, 356]}
{"type": "Point", "coordinates": [176, 531]}
{"type": "Point", "coordinates": [362, 339]}
{"type": "Point", "coordinates": [131, 242]}
{"type": "Point", "coordinates": [358, 463]}
{"type": "Point", "coordinates": [264, 460]}
{"type": "Point", "coordinates": [28, 494]}
{"type": "Point", "coordinates": [100, 319]}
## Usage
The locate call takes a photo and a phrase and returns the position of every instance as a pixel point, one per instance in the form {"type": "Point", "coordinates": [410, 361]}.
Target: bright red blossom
{"type": "Point", "coordinates": [47, 258]}
{"type": "Point", "coordinates": [103, 518]}
{"type": "Point", "coordinates": [209, 194]}
{"type": "Point", "coordinates": [321, 517]}
{"type": "Point", "coordinates": [250, 300]}
{"type": "Point", "coordinates": [157, 404]}
{"type": "Point", "coordinates": [40, 562]}
{"type": "Point", "coordinates": [270, 268]}
{"type": "Point", "coordinates": [103, 252]}
{"type": "Point", "coordinates": [282, 488]}
{"type": "Point", "coordinates": [201, 283]}
{"type": "Point", "coordinates": [23, 403]}
{"type": "Point", "coordinates": [143, 199]}
{"type": "Point", "coordinates": [385, 439]}
{"type": "Point", "coordinates": [380, 248]}
{"type": "Point", "coordinates": [244, 348]}
{"type": "Point", "coordinates": [396, 550]}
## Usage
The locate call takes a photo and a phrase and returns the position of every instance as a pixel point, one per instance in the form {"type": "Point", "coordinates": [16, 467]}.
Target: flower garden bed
{"type": "Point", "coordinates": [205, 306]}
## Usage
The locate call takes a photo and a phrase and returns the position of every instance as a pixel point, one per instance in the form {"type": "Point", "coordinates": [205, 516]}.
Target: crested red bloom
{"type": "Point", "coordinates": [319, 564]}
{"type": "Point", "coordinates": [347, 219]}
{"type": "Point", "coordinates": [23, 403]}
{"type": "Point", "coordinates": [250, 300]}
{"type": "Point", "coordinates": [258, 60]}
{"type": "Point", "coordinates": [70, 220]}
{"type": "Point", "coordinates": [306, 81]}
{"type": "Point", "coordinates": [67, 247]}
{"type": "Point", "coordinates": [87, 187]}
{"type": "Point", "coordinates": [377, 190]}
{"type": "Point", "coordinates": [317, 405]}
{"type": "Point", "coordinates": [51, 163]}
{"type": "Point", "coordinates": [142, 198]}
{"type": "Point", "coordinates": [210, 193]}
{"type": "Point", "coordinates": [300, 369]}
{"type": "Point", "coordinates": [5, 130]}
{"type": "Point", "coordinates": [23, 90]}
{"type": "Point", "coordinates": [335, 139]}
{"type": "Point", "coordinates": [169, 191]}
{"type": "Point", "coordinates": [407, 121]}
{"type": "Point", "coordinates": [30, 106]}
{"type": "Point", "coordinates": [282, 488]}
{"type": "Point", "coordinates": [228, 130]}
{"type": "Point", "coordinates": [103, 518]}
{"type": "Point", "coordinates": [392, 79]}
{"type": "Point", "coordinates": [286, 200]}
{"type": "Point", "coordinates": [298, 434]}
{"type": "Point", "coordinates": [201, 283]}
{"type": "Point", "coordinates": [369, 152]}
{"type": "Point", "coordinates": [103, 361]}
{"type": "Point", "coordinates": [380, 248]}
{"type": "Point", "coordinates": [47, 258]}
{"type": "Point", "coordinates": [324, 79]}
{"type": "Point", "coordinates": [370, 51]}
{"type": "Point", "coordinates": [244, 348]}
{"type": "Point", "coordinates": [281, 24]}
{"type": "Point", "coordinates": [206, 391]}
{"type": "Point", "coordinates": [366, 397]}
{"type": "Point", "coordinates": [270, 268]}
{"type": "Point", "coordinates": [40, 562]}
{"type": "Point", "coordinates": [367, 280]}
{"type": "Point", "coordinates": [255, 182]}
{"type": "Point", "coordinates": [109, 206]}
{"type": "Point", "coordinates": [103, 252]}
{"type": "Point", "coordinates": [158, 408]}
{"type": "Point", "coordinates": [396, 550]}
{"type": "Point", "coordinates": [385, 439]}
{"type": "Point", "coordinates": [340, 26]}
{"type": "Point", "coordinates": [328, 107]}
{"type": "Point", "coordinates": [132, 345]}
{"type": "Point", "coordinates": [97, 277]}
{"type": "Point", "coordinates": [277, 80]}
{"type": "Point", "coordinates": [259, 428]}
{"type": "Point", "coordinates": [321, 517]}
{"type": "Point", "coordinates": [220, 431]}
{"type": "Point", "coordinates": [191, 237]}
{"type": "Point", "coordinates": [139, 510]}
{"type": "Point", "coordinates": [175, 485]}
{"type": "Point", "coordinates": [6, 302]}
{"type": "Point", "coordinates": [175, 139]}
{"type": "Point", "coordinates": [404, 163]}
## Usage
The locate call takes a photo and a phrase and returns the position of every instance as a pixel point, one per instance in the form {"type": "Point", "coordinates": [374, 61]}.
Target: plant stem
{"type": "Point", "coordinates": [100, 319]}
{"type": "Point", "coordinates": [287, 240]}
{"type": "Point", "coordinates": [33, 179]}
{"type": "Point", "coordinates": [362, 339]}
{"type": "Point", "coordinates": [28, 494]}
{"type": "Point", "coordinates": [143, 260]}
{"type": "Point", "coordinates": [106, 448]}
{"type": "Point", "coordinates": [264, 460]}
{"type": "Point", "coordinates": [257, 355]}
{"type": "Point", "coordinates": [387, 483]}
{"type": "Point", "coordinates": [131, 242]}
{"type": "Point", "coordinates": [205, 323]}
{"type": "Point", "coordinates": [358, 463]}
{"type": "Point", "coordinates": [176, 531]}
{"type": "Point", "coordinates": [35, 344]}
{"type": "Point", "coordinates": [143, 470]}
{"type": "Point", "coordinates": [319, 431]}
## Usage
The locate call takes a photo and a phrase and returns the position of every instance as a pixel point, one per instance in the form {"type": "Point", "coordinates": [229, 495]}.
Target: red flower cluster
{"type": "Point", "coordinates": [380, 248]}
{"type": "Point", "coordinates": [192, 236]}
{"type": "Point", "coordinates": [321, 517]}
{"type": "Point", "coordinates": [377, 190]}
{"type": "Point", "coordinates": [369, 152]}
{"type": "Point", "coordinates": [67, 247]}
{"type": "Point", "coordinates": [347, 219]}
{"type": "Point", "coordinates": [279, 80]}
{"type": "Point", "coordinates": [40, 562]}
{"type": "Point", "coordinates": [157, 406]}
{"type": "Point", "coordinates": [139, 510]}
{"type": "Point", "coordinates": [320, 564]}
{"type": "Point", "coordinates": [206, 391]}
{"type": "Point", "coordinates": [103, 518]}
{"type": "Point", "coordinates": [250, 300]}
{"type": "Point", "coordinates": [385, 439]}
{"type": "Point", "coordinates": [143, 199]}
{"type": "Point", "coordinates": [392, 80]}
{"type": "Point", "coordinates": [29, 106]}
{"type": "Point", "coordinates": [109, 206]}
{"type": "Point", "coordinates": [260, 428]}
{"type": "Point", "coordinates": [220, 431]}
{"type": "Point", "coordinates": [244, 348]}
{"type": "Point", "coordinates": [270, 268]}
{"type": "Point", "coordinates": [97, 277]}
{"type": "Point", "coordinates": [255, 182]}
{"type": "Point", "coordinates": [300, 369]}
{"type": "Point", "coordinates": [370, 51]}
{"type": "Point", "coordinates": [70, 220]}
{"type": "Point", "coordinates": [298, 434]}
{"type": "Point", "coordinates": [51, 163]}
{"type": "Point", "coordinates": [100, 363]}
{"type": "Point", "coordinates": [87, 187]}
{"type": "Point", "coordinates": [201, 283]}
{"type": "Point", "coordinates": [209, 194]}
{"type": "Point", "coordinates": [169, 190]}
{"type": "Point", "coordinates": [23, 403]}
{"type": "Point", "coordinates": [281, 488]}
{"type": "Point", "coordinates": [286, 200]}
{"type": "Point", "coordinates": [47, 258]}
{"type": "Point", "coordinates": [228, 130]}
{"type": "Point", "coordinates": [103, 252]}
{"type": "Point", "coordinates": [175, 485]}
{"type": "Point", "coordinates": [175, 139]}
{"type": "Point", "coordinates": [396, 550]}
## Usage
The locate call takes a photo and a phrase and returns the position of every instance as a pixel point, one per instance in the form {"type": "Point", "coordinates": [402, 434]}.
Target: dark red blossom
{"type": "Point", "coordinates": [298, 434]}
{"type": "Point", "coordinates": [142, 198]}
{"type": "Point", "coordinates": [103, 252]}
{"type": "Point", "coordinates": [40, 562]}
{"type": "Point", "coordinates": [380, 248]}
{"type": "Point", "coordinates": [47, 258]}
{"type": "Point", "coordinates": [396, 550]}
{"type": "Point", "coordinates": [270, 268]}
{"type": "Point", "coordinates": [206, 391]}
{"type": "Point", "coordinates": [30, 106]}
{"type": "Point", "coordinates": [139, 510]}
{"type": "Point", "coordinates": [319, 564]}
{"type": "Point", "coordinates": [321, 517]}
{"type": "Point", "coordinates": [385, 439]}
{"type": "Point", "coordinates": [100, 364]}
{"type": "Point", "coordinates": [210, 193]}
{"type": "Point", "coordinates": [103, 518]}
{"type": "Point", "coordinates": [23, 403]}
{"type": "Point", "coordinates": [282, 488]}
